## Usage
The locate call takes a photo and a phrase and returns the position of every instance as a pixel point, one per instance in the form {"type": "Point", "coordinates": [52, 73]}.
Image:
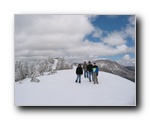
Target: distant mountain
{"type": "Point", "coordinates": [117, 69]}
{"type": "Point", "coordinates": [132, 68]}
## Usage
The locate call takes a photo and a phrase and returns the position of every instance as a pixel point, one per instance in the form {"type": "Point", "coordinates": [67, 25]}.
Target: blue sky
{"type": "Point", "coordinates": [109, 24]}
{"type": "Point", "coordinates": [76, 37]}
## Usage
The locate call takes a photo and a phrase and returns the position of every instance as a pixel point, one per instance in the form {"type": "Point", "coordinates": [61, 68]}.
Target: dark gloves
{"type": "Point", "coordinates": [96, 74]}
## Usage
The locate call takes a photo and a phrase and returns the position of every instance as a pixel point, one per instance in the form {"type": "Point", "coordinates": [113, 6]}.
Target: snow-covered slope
{"type": "Point", "coordinates": [60, 89]}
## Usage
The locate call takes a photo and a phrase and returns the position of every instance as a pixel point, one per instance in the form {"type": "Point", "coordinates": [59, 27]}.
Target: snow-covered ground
{"type": "Point", "coordinates": [60, 89]}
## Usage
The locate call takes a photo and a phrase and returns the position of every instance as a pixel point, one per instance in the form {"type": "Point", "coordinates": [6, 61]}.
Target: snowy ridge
{"type": "Point", "coordinates": [60, 89]}
{"type": "Point", "coordinates": [115, 68]}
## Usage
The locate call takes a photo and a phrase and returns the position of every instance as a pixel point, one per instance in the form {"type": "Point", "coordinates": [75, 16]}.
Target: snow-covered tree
{"type": "Point", "coordinates": [35, 68]}
{"type": "Point", "coordinates": [21, 70]}
{"type": "Point", "coordinates": [62, 64]}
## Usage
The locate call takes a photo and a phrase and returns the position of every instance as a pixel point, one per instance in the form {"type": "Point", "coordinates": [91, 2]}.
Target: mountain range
{"type": "Point", "coordinates": [117, 69]}
{"type": "Point", "coordinates": [25, 69]}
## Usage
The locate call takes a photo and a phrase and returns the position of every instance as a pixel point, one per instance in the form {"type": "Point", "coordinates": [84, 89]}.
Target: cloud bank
{"type": "Point", "coordinates": [65, 36]}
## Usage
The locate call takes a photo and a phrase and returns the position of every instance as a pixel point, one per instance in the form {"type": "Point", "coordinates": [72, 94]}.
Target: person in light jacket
{"type": "Point", "coordinates": [95, 73]}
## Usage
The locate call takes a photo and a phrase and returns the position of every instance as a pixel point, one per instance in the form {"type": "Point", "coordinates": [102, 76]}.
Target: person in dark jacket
{"type": "Point", "coordinates": [89, 69]}
{"type": "Point", "coordinates": [95, 73]}
{"type": "Point", "coordinates": [79, 72]}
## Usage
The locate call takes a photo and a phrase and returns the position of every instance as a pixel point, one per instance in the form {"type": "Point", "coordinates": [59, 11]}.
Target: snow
{"type": "Point", "coordinates": [60, 89]}
{"type": "Point", "coordinates": [55, 64]}
{"type": "Point", "coordinates": [103, 64]}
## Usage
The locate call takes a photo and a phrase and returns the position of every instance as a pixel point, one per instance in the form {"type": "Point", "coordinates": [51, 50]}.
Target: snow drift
{"type": "Point", "coordinates": [60, 89]}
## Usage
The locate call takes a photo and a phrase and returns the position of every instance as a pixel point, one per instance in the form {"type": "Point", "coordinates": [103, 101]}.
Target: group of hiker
{"type": "Point", "coordinates": [90, 72]}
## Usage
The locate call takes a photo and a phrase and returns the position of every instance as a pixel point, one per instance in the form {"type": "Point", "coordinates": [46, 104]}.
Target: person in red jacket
{"type": "Point", "coordinates": [79, 72]}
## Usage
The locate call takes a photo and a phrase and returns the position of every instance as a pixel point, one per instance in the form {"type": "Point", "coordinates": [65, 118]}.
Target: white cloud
{"type": "Point", "coordinates": [132, 20]}
{"type": "Point", "coordinates": [119, 37]}
{"type": "Point", "coordinates": [122, 48]}
{"type": "Point", "coordinates": [53, 24]}
{"type": "Point", "coordinates": [114, 38]}
{"type": "Point", "coordinates": [130, 28]}
{"type": "Point", "coordinates": [130, 32]}
{"type": "Point", "coordinates": [49, 33]}
{"type": "Point", "coordinates": [126, 57]}
{"type": "Point", "coordinates": [98, 33]}
{"type": "Point", "coordinates": [63, 35]}
{"type": "Point", "coordinates": [127, 60]}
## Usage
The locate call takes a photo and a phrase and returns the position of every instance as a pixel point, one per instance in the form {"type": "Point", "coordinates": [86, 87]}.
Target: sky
{"type": "Point", "coordinates": [76, 37]}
